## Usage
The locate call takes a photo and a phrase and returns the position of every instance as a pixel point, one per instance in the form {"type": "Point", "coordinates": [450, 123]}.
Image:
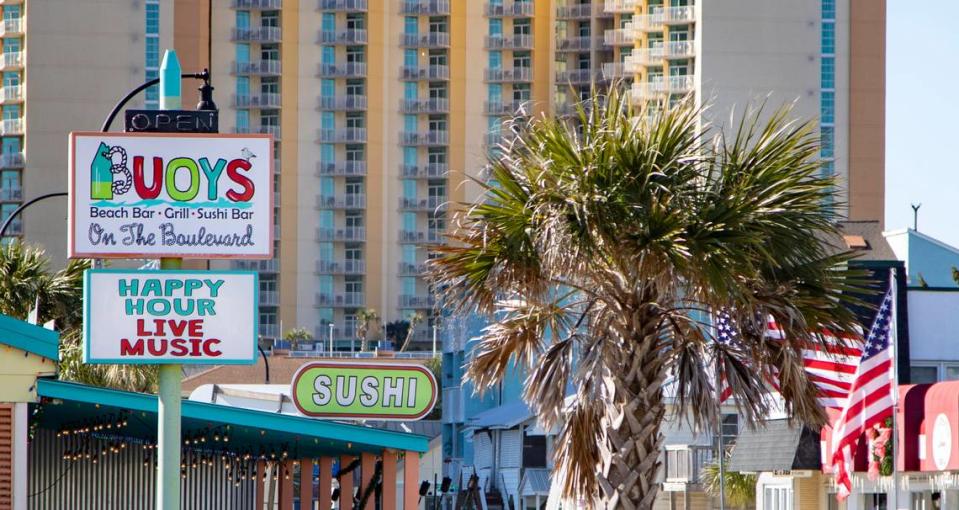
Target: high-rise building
{"type": "Point", "coordinates": [65, 64]}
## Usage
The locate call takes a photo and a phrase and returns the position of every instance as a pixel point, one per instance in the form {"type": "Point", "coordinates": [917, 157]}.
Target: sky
{"type": "Point", "coordinates": [922, 101]}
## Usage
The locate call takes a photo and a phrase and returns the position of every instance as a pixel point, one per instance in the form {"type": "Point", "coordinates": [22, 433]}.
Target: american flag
{"type": "Point", "coordinates": [871, 398]}
{"type": "Point", "coordinates": [830, 366]}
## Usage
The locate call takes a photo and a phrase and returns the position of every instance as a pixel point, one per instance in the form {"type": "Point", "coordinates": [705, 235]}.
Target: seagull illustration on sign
{"type": "Point", "coordinates": [247, 155]}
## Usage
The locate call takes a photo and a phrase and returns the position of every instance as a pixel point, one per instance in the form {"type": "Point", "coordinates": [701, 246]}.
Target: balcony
{"type": "Point", "coordinates": [346, 36]}
{"type": "Point", "coordinates": [407, 269]}
{"type": "Point", "coordinates": [348, 70]}
{"type": "Point", "coordinates": [426, 7]}
{"type": "Point", "coordinates": [659, 16]}
{"type": "Point", "coordinates": [433, 72]}
{"type": "Point", "coordinates": [655, 88]}
{"type": "Point", "coordinates": [516, 74]}
{"type": "Point", "coordinates": [621, 6]}
{"type": "Point", "coordinates": [416, 301]}
{"type": "Point", "coordinates": [264, 130]}
{"type": "Point", "coordinates": [11, 60]}
{"type": "Point", "coordinates": [423, 204]}
{"type": "Point", "coordinates": [270, 5]}
{"type": "Point", "coordinates": [680, 49]}
{"type": "Point", "coordinates": [346, 201]}
{"type": "Point", "coordinates": [428, 40]}
{"type": "Point", "coordinates": [341, 169]}
{"type": "Point", "coordinates": [11, 160]}
{"type": "Point", "coordinates": [346, 267]}
{"type": "Point", "coordinates": [684, 463]}
{"type": "Point", "coordinates": [346, 234]}
{"type": "Point", "coordinates": [430, 171]}
{"type": "Point", "coordinates": [578, 11]}
{"type": "Point", "coordinates": [578, 43]}
{"type": "Point", "coordinates": [10, 195]}
{"type": "Point", "coordinates": [269, 298]}
{"type": "Point", "coordinates": [343, 5]}
{"type": "Point", "coordinates": [625, 36]}
{"type": "Point", "coordinates": [264, 100]}
{"type": "Point", "coordinates": [346, 135]}
{"type": "Point", "coordinates": [432, 105]}
{"type": "Point", "coordinates": [258, 35]}
{"type": "Point", "coordinates": [11, 94]}
{"type": "Point", "coordinates": [615, 71]}
{"type": "Point", "coordinates": [269, 330]}
{"type": "Point", "coordinates": [574, 77]}
{"type": "Point", "coordinates": [258, 68]}
{"type": "Point", "coordinates": [12, 127]}
{"type": "Point", "coordinates": [340, 300]}
{"type": "Point", "coordinates": [431, 236]}
{"type": "Point", "coordinates": [262, 266]}
{"type": "Point", "coordinates": [644, 57]}
{"type": "Point", "coordinates": [347, 103]}
{"type": "Point", "coordinates": [506, 107]}
{"type": "Point", "coordinates": [11, 27]}
{"type": "Point", "coordinates": [427, 138]}
{"type": "Point", "coordinates": [507, 9]}
{"type": "Point", "coordinates": [509, 42]}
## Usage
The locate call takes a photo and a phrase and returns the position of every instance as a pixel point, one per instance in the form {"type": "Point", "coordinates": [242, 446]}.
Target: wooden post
{"type": "Point", "coordinates": [346, 485]}
{"type": "Point", "coordinates": [306, 484]}
{"type": "Point", "coordinates": [367, 467]}
{"type": "Point", "coordinates": [324, 500]}
{"type": "Point", "coordinates": [411, 480]}
{"type": "Point", "coordinates": [260, 486]}
{"type": "Point", "coordinates": [286, 485]}
{"type": "Point", "coordinates": [389, 480]}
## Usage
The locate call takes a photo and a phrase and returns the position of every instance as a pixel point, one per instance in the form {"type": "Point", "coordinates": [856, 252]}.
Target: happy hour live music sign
{"type": "Point", "coordinates": [135, 317]}
{"type": "Point", "coordinates": [147, 195]}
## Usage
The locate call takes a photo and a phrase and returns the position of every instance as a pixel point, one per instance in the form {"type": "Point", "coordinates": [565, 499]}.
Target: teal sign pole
{"type": "Point", "coordinates": [168, 416]}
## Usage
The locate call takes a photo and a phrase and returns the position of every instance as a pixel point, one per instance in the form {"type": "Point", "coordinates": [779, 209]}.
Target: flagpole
{"type": "Point", "coordinates": [893, 344]}
{"type": "Point", "coordinates": [719, 435]}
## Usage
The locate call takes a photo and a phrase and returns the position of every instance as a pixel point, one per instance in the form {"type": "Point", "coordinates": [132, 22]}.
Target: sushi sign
{"type": "Point", "coordinates": [136, 317]}
{"type": "Point", "coordinates": [374, 390]}
{"type": "Point", "coordinates": [147, 195]}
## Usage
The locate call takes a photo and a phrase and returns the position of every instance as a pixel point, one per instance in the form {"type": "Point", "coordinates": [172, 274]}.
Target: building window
{"type": "Point", "coordinates": [777, 498]}
{"type": "Point", "coordinates": [828, 9]}
{"type": "Point", "coordinates": [874, 501]}
{"type": "Point", "coordinates": [270, 19]}
{"type": "Point", "coordinates": [828, 108]}
{"type": "Point", "coordinates": [828, 38]}
{"type": "Point", "coordinates": [827, 141]}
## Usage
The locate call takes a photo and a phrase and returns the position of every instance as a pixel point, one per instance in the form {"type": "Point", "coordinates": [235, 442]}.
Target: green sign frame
{"type": "Point", "coordinates": [364, 390]}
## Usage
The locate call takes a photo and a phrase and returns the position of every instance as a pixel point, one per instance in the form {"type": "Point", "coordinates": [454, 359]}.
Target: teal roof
{"type": "Point", "coordinates": [73, 404]}
{"type": "Point", "coordinates": [29, 337]}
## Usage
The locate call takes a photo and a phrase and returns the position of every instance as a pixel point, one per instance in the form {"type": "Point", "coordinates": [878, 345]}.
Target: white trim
{"type": "Point", "coordinates": [20, 467]}
{"type": "Point", "coordinates": [908, 231]}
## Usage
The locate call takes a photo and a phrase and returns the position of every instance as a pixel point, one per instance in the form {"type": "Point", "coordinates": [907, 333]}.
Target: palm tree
{"type": "Point", "coordinates": [415, 320]}
{"type": "Point", "coordinates": [367, 324]}
{"type": "Point", "coordinates": [609, 239]}
{"type": "Point", "coordinates": [296, 336]}
{"type": "Point", "coordinates": [739, 488]}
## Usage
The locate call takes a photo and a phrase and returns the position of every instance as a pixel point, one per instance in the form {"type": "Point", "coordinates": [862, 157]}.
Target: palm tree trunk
{"type": "Point", "coordinates": [631, 457]}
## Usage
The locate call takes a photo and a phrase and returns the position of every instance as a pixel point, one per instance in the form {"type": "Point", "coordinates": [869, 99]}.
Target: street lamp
{"type": "Point", "coordinates": [331, 339]}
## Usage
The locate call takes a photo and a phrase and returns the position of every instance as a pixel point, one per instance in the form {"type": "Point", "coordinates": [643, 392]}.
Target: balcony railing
{"type": "Point", "coordinates": [269, 298]}
{"type": "Point", "coordinates": [427, 40]}
{"type": "Point", "coordinates": [266, 130]}
{"type": "Point", "coordinates": [347, 267]}
{"type": "Point", "coordinates": [644, 57]}
{"type": "Point", "coordinates": [11, 195]}
{"type": "Point", "coordinates": [429, 171]}
{"type": "Point", "coordinates": [615, 71]}
{"type": "Point", "coordinates": [624, 36]}
{"type": "Point", "coordinates": [433, 72]}
{"type": "Point", "coordinates": [347, 135]}
{"type": "Point", "coordinates": [574, 76]}
{"type": "Point", "coordinates": [11, 160]}
{"type": "Point", "coordinates": [431, 105]}
{"type": "Point", "coordinates": [263, 266]}
{"type": "Point", "coordinates": [680, 49]}
{"type": "Point", "coordinates": [684, 463]}
{"type": "Point", "coordinates": [656, 87]}
{"type": "Point", "coordinates": [577, 43]}
{"type": "Point", "coordinates": [622, 6]}
{"type": "Point", "coordinates": [507, 8]}
{"type": "Point", "coordinates": [429, 7]}
{"type": "Point", "coordinates": [423, 204]}
{"type": "Point", "coordinates": [346, 201]}
{"type": "Point", "coordinates": [258, 34]}
{"type": "Point", "coordinates": [347, 70]}
{"type": "Point", "coordinates": [264, 100]}
{"type": "Point", "coordinates": [516, 74]}
{"type": "Point", "coordinates": [257, 4]}
{"type": "Point", "coordinates": [352, 102]}
{"type": "Point", "coordinates": [341, 169]}
{"type": "Point", "coordinates": [509, 42]}
{"type": "Point", "coordinates": [12, 126]}
{"type": "Point", "coordinates": [11, 93]}
{"type": "Point", "coordinates": [407, 269]}
{"type": "Point", "coordinates": [505, 107]}
{"type": "Point", "coordinates": [431, 236]}
{"type": "Point", "coordinates": [346, 36]}
{"type": "Point", "coordinates": [12, 59]}
{"type": "Point", "coordinates": [11, 27]}
{"type": "Point", "coordinates": [414, 301]}
{"type": "Point", "coordinates": [425, 138]}
{"type": "Point", "coordinates": [258, 68]}
{"type": "Point", "coordinates": [659, 16]}
{"type": "Point", "coordinates": [269, 330]}
{"type": "Point", "coordinates": [340, 299]}
{"type": "Point", "coordinates": [343, 5]}
{"type": "Point", "coordinates": [346, 234]}
{"type": "Point", "coordinates": [578, 11]}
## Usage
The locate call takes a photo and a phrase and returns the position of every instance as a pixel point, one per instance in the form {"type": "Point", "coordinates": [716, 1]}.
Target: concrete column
{"type": "Point", "coordinates": [368, 466]}
{"type": "Point", "coordinates": [21, 429]}
{"type": "Point", "coordinates": [306, 484]}
{"type": "Point", "coordinates": [260, 485]}
{"type": "Point", "coordinates": [346, 484]}
{"type": "Point", "coordinates": [324, 501]}
{"type": "Point", "coordinates": [411, 480]}
{"type": "Point", "coordinates": [286, 485]}
{"type": "Point", "coordinates": [389, 480]}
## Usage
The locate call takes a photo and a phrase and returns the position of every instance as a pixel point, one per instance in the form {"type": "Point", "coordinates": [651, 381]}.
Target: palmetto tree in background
{"type": "Point", "coordinates": [367, 324]}
{"type": "Point", "coordinates": [610, 240]}
{"type": "Point", "coordinates": [415, 320]}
